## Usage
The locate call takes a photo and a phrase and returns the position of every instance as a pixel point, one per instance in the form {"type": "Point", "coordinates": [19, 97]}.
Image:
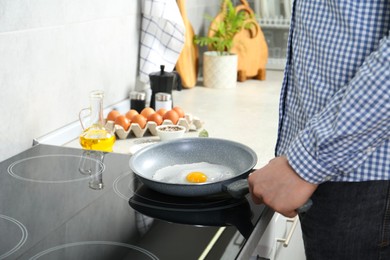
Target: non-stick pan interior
{"type": "Point", "coordinates": [236, 156]}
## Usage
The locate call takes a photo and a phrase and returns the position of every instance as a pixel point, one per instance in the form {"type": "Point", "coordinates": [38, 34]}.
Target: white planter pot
{"type": "Point", "coordinates": [219, 71]}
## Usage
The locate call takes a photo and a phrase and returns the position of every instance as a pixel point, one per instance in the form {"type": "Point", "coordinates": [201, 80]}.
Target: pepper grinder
{"type": "Point", "coordinates": [137, 101]}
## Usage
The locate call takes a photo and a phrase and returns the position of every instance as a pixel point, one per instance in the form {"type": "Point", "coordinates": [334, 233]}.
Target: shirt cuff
{"type": "Point", "coordinates": [306, 165]}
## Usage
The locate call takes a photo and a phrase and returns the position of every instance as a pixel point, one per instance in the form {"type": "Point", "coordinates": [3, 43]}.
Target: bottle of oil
{"type": "Point", "coordinates": [96, 136]}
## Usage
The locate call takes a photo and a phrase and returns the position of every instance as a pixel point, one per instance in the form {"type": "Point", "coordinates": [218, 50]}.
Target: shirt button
{"type": "Point", "coordinates": [370, 149]}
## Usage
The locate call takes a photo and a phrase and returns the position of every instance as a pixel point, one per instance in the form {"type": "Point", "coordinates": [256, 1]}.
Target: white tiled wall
{"type": "Point", "coordinates": [53, 53]}
{"type": "Point", "coordinates": [197, 12]}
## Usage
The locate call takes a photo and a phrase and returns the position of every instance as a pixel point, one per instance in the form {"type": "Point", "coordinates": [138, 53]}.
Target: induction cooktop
{"type": "Point", "coordinates": [65, 203]}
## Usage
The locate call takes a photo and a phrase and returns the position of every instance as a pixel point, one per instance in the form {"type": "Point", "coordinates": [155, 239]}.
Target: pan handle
{"type": "Point", "coordinates": [240, 188]}
{"type": "Point", "coordinates": [237, 189]}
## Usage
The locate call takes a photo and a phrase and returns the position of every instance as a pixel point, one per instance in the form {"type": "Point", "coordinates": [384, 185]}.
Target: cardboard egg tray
{"type": "Point", "coordinates": [189, 122]}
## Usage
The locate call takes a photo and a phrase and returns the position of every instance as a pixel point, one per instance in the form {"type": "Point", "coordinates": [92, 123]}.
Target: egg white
{"type": "Point", "coordinates": [177, 173]}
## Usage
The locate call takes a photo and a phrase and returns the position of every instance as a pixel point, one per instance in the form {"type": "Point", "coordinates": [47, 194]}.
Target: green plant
{"type": "Point", "coordinates": [222, 32]}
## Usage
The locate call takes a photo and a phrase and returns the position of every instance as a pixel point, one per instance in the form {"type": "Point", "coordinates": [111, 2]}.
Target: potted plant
{"type": "Point", "coordinates": [219, 64]}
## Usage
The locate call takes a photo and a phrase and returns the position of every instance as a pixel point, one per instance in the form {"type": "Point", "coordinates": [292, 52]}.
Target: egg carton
{"type": "Point", "coordinates": [189, 122]}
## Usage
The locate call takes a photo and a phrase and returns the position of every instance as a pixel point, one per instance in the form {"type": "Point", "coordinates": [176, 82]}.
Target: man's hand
{"type": "Point", "coordinates": [278, 186]}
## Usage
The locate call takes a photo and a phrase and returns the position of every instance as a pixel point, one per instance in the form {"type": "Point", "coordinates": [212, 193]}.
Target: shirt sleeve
{"type": "Point", "coordinates": [350, 127]}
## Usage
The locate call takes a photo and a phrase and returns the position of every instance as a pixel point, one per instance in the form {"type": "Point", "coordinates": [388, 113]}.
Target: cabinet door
{"type": "Point", "coordinates": [282, 240]}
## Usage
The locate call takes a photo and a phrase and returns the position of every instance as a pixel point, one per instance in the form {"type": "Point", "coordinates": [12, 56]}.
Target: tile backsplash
{"type": "Point", "coordinates": [54, 52]}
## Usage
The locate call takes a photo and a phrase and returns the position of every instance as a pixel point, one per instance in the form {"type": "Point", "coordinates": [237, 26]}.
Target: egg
{"type": "Point", "coordinates": [131, 113]}
{"type": "Point", "coordinates": [113, 115]}
{"type": "Point", "coordinates": [179, 111]}
{"type": "Point", "coordinates": [155, 118]}
{"type": "Point", "coordinates": [139, 119]}
{"type": "Point", "coordinates": [123, 122]}
{"type": "Point", "coordinates": [171, 115]}
{"type": "Point", "coordinates": [147, 111]}
{"type": "Point", "coordinates": [162, 111]}
{"type": "Point", "coordinates": [196, 177]}
{"type": "Point", "coordinates": [193, 173]}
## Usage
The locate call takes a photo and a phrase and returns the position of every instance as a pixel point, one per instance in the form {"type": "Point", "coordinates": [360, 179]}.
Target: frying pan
{"type": "Point", "coordinates": [238, 157]}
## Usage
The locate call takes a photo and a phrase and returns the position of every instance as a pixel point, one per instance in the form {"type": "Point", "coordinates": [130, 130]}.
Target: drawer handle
{"type": "Point", "coordinates": [286, 240]}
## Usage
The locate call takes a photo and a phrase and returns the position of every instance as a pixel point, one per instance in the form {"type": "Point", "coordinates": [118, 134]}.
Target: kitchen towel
{"type": "Point", "coordinates": [162, 36]}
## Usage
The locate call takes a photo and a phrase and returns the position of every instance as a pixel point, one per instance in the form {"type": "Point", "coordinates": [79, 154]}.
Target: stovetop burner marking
{"type": "Point", "coordinates": [83, 243]}
{"type": "Point", "coordinates": [13, 174]}
{"type": "Point", "coordinates": [116, 188]}
{"type": "Point", "coordinates": [22, 240]}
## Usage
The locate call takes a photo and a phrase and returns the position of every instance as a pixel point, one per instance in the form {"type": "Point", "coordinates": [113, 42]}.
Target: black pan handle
{"type": "Point", "coordinates": [240, 188]}
{"type": "Point", "coordinates": [237, 189]}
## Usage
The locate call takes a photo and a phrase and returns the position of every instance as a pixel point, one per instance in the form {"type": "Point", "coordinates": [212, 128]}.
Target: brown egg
{"type": "Point", "coordinates": [123, 122]}
{"type": "Point", "coordinates": [179, 111]}
{"type": "Point", "coordinates": [171, 115]}
{"type": "Point", "coordinates": [139, 119]}
{"type": "Point", "coordinates": [147, 111]}
{"type": "Point", "coordinates": [131, 113]}
{"type": "Point", "coordinates": [113, 115]}
{"type": "Point", "coordinates": [162, 111]}
{"type": "Point", "coordinates": [155, 118]}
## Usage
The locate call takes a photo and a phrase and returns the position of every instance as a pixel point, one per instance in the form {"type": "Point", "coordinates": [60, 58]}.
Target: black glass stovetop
{"type": "Point", "coordinates": [66, 203]}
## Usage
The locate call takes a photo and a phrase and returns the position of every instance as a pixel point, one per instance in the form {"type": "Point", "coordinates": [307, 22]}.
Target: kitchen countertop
{"type": "Point", "coordinates": [76, 205]}
{"type": "Point", "coordinates": [247, 114]}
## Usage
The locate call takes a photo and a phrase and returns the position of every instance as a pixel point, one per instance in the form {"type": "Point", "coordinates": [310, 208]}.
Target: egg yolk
{"type": "Point", "coordinates": [196, 177]}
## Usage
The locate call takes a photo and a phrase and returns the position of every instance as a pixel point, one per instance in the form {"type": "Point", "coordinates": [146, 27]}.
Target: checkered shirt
{"type": "Point", "coordinates": [334, 120]}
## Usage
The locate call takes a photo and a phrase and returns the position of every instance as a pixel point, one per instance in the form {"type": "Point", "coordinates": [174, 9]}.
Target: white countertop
{"type": "Point", "coordinates": [247, 114]}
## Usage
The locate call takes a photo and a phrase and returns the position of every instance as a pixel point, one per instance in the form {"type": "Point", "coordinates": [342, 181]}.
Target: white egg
{"type": "Point", "coordinates": [178, 173]}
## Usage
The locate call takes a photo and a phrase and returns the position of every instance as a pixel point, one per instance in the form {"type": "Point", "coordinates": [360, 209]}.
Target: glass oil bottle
{"type": "Point", "coordinates": [96, 136]}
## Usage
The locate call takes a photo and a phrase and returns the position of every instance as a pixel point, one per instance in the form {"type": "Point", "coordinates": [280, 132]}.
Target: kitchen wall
{"type": "Point", "coordinates": [197, 11]}
{"type": "Point", "coordinates": [54, 52]}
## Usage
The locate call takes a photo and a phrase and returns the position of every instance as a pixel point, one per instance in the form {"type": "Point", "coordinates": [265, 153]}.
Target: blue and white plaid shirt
{"type": "Point", "coordinates": [335, 103]}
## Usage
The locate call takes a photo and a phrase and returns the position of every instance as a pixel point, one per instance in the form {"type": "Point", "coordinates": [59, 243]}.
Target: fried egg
{"type": "Point", "coordinates": [194, 173]}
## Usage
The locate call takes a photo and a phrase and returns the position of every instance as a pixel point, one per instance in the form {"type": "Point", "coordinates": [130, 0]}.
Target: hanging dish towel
{"type": "Point", "coordinates": [162, 36]}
